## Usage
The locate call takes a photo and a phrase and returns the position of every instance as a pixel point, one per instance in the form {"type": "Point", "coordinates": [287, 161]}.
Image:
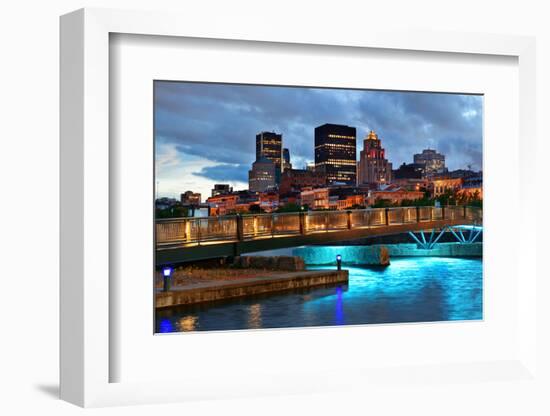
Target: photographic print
{"type": "Point", "coordinates": [290, 206]}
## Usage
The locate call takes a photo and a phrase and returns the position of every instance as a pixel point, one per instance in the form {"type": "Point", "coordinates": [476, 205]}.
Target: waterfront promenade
{"type": "Point", "coordinates": [224, 290]}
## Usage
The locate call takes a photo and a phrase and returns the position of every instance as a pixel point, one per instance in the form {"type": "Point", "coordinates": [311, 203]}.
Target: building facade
{"type": "Point", "coordinates": [286, 160]}
{"type": "Point", "coordinates": [373, 166]}
{"type": "Point", "coordinates": [396, 195]}
{"type": "Point", "coordinates": [269, 201]}
{"type": "Point", "coordinates": [221, 189]}
{"type": "Point", "coordinates": [433, 162]}
{"type": "Point", "coordinates": [269, 145]}
{"type": "Point", "coordinates": [335, 153]}
{"type": "Point", "coordinates": [296, 179]}
{"type": "Point", "coordinates": [190, 198]}
{"type": "Point", "coordinates": [409, 171]}
{"type": "Point", "coordinates": [222, 204]}
{"type": "Point", "coordinates": [441, 186]}
{"type": "Point", "coordinates": [317, 198]}
{"type": "Point", "coordinates": [262, 176]}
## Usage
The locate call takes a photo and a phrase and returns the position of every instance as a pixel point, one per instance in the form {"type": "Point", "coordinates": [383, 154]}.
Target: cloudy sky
{"type": "Point", "coordinates": [205, 133]}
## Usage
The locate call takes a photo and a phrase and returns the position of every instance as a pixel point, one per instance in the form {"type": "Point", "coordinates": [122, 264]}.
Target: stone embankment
{"type": "Point", "coordinates": [223, 290]}
{"type": "Point", "coordinates": [245, 276]}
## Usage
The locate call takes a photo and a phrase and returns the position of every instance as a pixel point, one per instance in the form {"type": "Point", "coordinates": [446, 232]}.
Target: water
{"type": "Point", "coordinates": [419, 289]}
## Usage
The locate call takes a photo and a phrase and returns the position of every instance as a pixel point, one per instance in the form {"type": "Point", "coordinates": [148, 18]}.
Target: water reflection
{"type": "Point", "coordinates": [188, 323]}
{"type": "Point", "coordinates": [339, 307]}
{"type": "Point", "coordinates": [255, 316]}
{"type": "Point", "coordinates": [409, 290]}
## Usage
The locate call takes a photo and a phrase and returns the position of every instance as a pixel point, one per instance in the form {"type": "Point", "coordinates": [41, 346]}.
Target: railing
{"type": "Point", "coordinates": [232, 228]}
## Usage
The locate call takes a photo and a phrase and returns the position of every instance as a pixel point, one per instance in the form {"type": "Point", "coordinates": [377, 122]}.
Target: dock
{"type": "Point", "coordinates": [223, 290]}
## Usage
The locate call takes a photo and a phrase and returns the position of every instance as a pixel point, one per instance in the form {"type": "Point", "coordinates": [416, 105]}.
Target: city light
{"type": "Point", "coordinates": [167, 278]}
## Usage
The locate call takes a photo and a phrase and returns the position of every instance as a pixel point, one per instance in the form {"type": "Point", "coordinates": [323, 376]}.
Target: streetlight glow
{"type": "Point", "coordinates": [167, 278]}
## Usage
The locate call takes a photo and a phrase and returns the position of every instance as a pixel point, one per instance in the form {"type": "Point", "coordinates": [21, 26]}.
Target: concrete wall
{"type": "Point", "coordinates": [372, 255]}
{"type": "Point", "coordinates": [440, 250]}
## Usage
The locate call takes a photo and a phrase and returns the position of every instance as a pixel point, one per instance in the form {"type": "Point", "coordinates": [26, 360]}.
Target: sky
{"type": "Point", "coordinates": [205, 133]}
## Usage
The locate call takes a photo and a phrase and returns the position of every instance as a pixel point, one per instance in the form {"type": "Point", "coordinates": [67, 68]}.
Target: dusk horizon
{"type": "Point", "coordinates": [205, 132]}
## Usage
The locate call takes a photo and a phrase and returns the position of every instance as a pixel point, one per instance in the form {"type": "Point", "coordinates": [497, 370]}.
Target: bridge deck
{"type": "Point", "coordinates": [188, 239]}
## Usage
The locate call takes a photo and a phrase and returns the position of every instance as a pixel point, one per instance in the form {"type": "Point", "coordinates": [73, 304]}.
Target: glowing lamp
{"type": "Point", "coordinates": [167, 278]}
{"type": "Point", "coordinates": [339, 261]}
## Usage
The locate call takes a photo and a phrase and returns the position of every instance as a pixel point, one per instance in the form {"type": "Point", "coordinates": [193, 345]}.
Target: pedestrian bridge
{"type": "Point", "coordinates": [186, 239]}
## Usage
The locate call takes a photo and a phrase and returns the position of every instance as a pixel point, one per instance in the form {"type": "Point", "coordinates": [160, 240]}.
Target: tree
{"type": "Point", "coordinates": [291, 207]}
{"type": "Point", "coordinates": [382, 203]}
{"type": "Point", "coordinates": [176, 211]}
{"type": "Point", "coordinates": [255, 209]}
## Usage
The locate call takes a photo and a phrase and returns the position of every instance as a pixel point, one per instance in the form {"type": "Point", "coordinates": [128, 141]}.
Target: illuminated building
{"type": "Point", "coordinates": [269, 201]}
{"type": "Point", "coordinates": [395, 194]}
{"type": "Point", "coordinates": [335, 153]}
{"type": "Point", "coordinates": [347, 202]}
{"type": "Point", "coordinates": [222, 204]}
{"type": "Point", "coordinates": [317, 198]}
{"type": "Point", "coordinates": [296, 179]}
{"type": "Point", "coordinates": [221, 189]}
{"type": "Point", "coordinates": [472, 187]}
{"type": "Point", "coordinates": [441, 186]}
{"type": "Point", "coordinates": [270, 146]}
{"type": "Point", "coordinates": [412, 184]}
{"type": "Point", "coordinates": [346, 197]}
{"type": "Point", "coordinates": [190, 198]}
{"type": "Point", "coordinates": [433, 162]}
{"type": "Point", "coordinates": [231, 203]}
{"type": "Point", "coordinates": [262, 176]}
{"type": "Point", "coordinates": [373, 167]}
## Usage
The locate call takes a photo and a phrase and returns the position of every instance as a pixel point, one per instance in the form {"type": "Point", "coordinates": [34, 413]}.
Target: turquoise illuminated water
{"type": "Point", "coordinates": [412, 289]}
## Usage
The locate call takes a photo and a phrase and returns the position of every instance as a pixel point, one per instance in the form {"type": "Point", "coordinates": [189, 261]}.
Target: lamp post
{"type": "Point", "coordinates": [167, 278]}
{"type": "Point", "coordinates": [339, 262]}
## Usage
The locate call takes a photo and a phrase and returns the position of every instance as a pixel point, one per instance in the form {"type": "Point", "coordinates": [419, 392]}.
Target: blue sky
{"type": "Point", "coordinates": [205, 133]}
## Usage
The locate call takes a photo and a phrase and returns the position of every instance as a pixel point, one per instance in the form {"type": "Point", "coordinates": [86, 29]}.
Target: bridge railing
{"type": "Point", "coordinates": [195, 230]}
{"type": "Point", "coordinates": [230, 228]}
{"type": "Point", "coordinates": [265, 225]}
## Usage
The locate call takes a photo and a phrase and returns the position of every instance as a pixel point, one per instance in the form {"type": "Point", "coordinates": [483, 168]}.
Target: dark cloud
{"type": "Point", "coordinates": [219, 122]}
{"type": "Point", "coordinates": [224, 173]}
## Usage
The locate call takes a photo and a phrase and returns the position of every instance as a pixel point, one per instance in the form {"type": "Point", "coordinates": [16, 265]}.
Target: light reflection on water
{"type": "Point", "coordinates": [420, 289]}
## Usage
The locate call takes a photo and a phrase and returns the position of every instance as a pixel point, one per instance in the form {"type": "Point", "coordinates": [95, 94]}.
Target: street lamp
{"type": "Point", "coordinates": [167, 278]}
{"type": "Point", "coordinates": [339, 262]}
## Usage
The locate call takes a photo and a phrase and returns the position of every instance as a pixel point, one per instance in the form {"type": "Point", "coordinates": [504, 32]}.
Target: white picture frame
{"type": "Point", "coordinates": [86, 355]}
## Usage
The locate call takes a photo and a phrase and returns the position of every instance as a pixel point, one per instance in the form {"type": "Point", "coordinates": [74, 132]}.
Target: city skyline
{"type": "Point", "coordinates": [206, 133]}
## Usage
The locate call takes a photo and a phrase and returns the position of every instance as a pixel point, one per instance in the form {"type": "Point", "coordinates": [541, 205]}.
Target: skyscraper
{"type": "Point", "coordinates": [270, 146]}
{"type": "Point", "coordinates": [335, 153]}
{"type": "Point", "coordinates": [373, 167]}
{"type": "Point", "coordinates": [262, 175]}
{"type": "Point", "coordinates": [433, 162]}
{"type": "Point", "coordinates": [286, 159]}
